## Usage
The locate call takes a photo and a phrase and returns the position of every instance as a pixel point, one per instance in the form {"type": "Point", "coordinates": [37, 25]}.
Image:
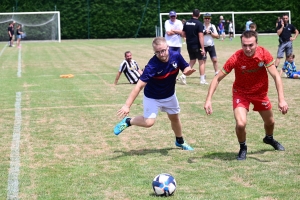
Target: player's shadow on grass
{"type": "Point", "coordinates": [229, 156]}
{"type": "Point", "coordinates": [141, 152]}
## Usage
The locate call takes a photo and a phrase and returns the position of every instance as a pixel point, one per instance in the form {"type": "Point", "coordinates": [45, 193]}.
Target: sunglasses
{"type": "Point", "coordinates": [172, 16]}
{"type": "Point", "coordinates": [206, 18]}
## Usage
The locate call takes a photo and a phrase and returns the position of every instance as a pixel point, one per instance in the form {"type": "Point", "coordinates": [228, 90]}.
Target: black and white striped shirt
{"type": "Point", "coordinates": [130, 70]}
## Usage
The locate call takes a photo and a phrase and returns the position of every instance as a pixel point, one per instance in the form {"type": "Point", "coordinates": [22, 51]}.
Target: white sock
{"type": "Point", "coordinates": [202, 77]}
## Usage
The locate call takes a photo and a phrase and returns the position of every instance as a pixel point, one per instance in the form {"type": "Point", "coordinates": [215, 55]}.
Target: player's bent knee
{"type": "Point", "coordinates": [149, 122]}
{"type": "Point", "coordinates": [240, 126]}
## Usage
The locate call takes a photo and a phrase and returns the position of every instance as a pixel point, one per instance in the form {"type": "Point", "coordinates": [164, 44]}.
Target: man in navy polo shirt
{"type": "Point", "coordinates": [285, 30]}
{"type": "Point", "coordinates": [158, 81]}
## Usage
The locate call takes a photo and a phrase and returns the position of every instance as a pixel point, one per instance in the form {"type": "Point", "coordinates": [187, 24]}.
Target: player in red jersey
{"type": "Point", "coordinates": [251, 65]}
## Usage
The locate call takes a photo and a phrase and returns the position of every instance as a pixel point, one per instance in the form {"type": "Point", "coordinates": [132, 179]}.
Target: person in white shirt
{"type": "Point", "coordinates": [210, 32]}
{"type": "Point", "coordinates": [173, 28]}
{"type": "Point", "coordinates": [230, 30]}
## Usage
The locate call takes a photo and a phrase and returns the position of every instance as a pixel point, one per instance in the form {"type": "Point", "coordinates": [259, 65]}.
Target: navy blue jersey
{"type": "Point", "coordinates": [161, 76]}
{"type": "Point", "coordinates": [287, 31]}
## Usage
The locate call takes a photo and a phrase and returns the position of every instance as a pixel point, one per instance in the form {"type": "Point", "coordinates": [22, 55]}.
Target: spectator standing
{"type": "Point", "coordinates": [230, 30]}
{"type": "Point", "coordinates": [210, 32]}
{"type": "Point", "coordinates": [285, 31]}
{"type": "Point", "coordinates": [251, 65]}
{"type": "Point", "coordinates": [130, 69]}
{"type": "Point", "coordinates": [247, 28]}
{"type": "Point", "coordinates": [184, 39]}
{"type": "Point", "coordinates": [173, 33]}
{"type": "Point", "coordinates": [193, 31]}
{"type": "Point", "coordinates": [278, 21]}
{"type": "Point", "coordinates": [19, 35]}
{"type": "Point", "coordinates": [221, 28]}
{"type": "Point", "coordinates": [11, 33]}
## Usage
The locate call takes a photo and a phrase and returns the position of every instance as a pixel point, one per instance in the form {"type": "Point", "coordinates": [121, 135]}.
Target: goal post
{"type": "Point", "coordinates": [234, 17]}
{"type": "Point", "coordinates": [38, 26]}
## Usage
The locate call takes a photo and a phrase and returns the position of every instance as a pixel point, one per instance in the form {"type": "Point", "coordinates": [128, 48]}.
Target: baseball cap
{"type": "Point", "coordinates": [207, 15]}
{"type": "Point", "coordinates": [172, 13]}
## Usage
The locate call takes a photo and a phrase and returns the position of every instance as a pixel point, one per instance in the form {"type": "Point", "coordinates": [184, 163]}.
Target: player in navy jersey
{"type": "Point", "coordinates": [158, 81]}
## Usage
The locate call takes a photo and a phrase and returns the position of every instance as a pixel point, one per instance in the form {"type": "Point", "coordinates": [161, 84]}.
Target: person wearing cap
{"type": "Point", "coordinates": [193, 31]}
{"type": "Point", "coordinates": [210, 32]}
{"type": "Point", "coordinates": [173, 28]}
{"type": "Point", "coordinates": [221, 28]}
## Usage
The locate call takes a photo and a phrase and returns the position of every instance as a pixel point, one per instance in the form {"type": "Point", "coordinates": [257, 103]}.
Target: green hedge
{"type": "Point", "coordinates": [82, 19]}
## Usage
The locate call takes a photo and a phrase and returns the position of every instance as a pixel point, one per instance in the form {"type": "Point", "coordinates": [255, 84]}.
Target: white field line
{"type": "Point", "coordinates": [19, 64]}
{"type": "Point", "coordinates": [3, 49]}
{"type": "Point", "coordinates": [14, 169]}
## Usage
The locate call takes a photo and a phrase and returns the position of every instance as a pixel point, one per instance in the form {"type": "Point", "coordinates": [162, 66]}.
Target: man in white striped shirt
{"type": "Point", "coordinates": [130, 69]}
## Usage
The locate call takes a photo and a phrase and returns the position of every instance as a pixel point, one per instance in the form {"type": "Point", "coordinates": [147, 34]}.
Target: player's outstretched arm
{"type": "Point", "coordinates": [117, 78]}
{"type": "Point", "coordinates": [212, 88]}
{"type": "Point", "coordinates": [282, 105]}
{"type": "Point", "coordinates": [188, 71]}
{"type": "Point", "coordinates": [124, 111]}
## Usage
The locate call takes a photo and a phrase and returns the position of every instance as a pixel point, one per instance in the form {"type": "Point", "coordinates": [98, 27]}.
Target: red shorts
{"type": "Point", "coordinates": [260, 103]}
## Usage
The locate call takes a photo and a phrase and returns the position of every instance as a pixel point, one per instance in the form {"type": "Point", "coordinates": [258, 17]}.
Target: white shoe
{"type": "Point", "coordinates": [203, 82]}
{"type": "Point", "coordinates": [181, 80]}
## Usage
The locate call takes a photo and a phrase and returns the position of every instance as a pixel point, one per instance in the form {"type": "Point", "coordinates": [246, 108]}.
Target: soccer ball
{"type": "Point", "coordinates": [164, 184]}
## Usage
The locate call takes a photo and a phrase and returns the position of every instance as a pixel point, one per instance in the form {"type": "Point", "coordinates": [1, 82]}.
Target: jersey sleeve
{"type": "Point", "coordinates": [122, 66]}
{"type": "Point", "coordinates": [293, 29]}
{"type": "Point", "coordinates": [182, 63]}
{"type": "Point", "coordinates": [268, 58]}
{"type": "Point", "coordinates": [229, 65]}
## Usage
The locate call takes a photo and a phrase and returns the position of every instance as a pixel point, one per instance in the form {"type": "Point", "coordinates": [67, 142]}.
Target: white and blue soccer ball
{"type": "Point", "coordinates": [164, 184]}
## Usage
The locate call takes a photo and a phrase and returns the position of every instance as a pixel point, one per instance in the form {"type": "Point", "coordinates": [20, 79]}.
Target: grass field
{"type": "Point", "coordinates": [67, 150]}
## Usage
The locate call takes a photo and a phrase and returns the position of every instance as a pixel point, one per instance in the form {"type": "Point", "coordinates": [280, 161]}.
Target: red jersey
{"type": "Point", "coordinates": [251, 77]}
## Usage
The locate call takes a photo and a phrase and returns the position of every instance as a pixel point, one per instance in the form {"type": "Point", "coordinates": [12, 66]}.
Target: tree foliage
{"type": "Point", "coordinates": [81, 19]}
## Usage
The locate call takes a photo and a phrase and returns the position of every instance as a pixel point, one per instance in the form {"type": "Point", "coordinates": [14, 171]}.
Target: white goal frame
{"type": "Point", "coordinates": [228, 12]}
{"type": "Point", "coordinates": [31, 13]}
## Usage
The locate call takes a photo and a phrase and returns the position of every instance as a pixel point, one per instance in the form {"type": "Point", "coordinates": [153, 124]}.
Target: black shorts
{"type": "Point", "coordinates": [195, 54]}
{"type": "Point", "coordinates": [211, 50]}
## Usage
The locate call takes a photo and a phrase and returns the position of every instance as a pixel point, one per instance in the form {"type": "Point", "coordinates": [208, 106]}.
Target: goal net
{"type": "Point", "coordinates": [37, 26]}
{"type": "Point", "coordinates": [265, 26]}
